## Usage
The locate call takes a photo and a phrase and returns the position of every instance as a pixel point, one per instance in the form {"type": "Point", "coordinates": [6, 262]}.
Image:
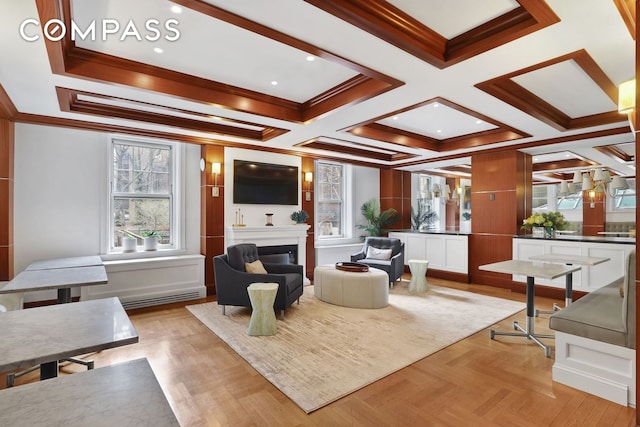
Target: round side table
{"type": "Point", "coordinates": [418, 269]}
{"type": "Point", "coordinates": [263, 318]}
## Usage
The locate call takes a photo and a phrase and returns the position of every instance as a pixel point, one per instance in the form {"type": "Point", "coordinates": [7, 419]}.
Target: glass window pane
{"type": "Point", "coordinates": [141, 169]}
{"type": "Point", "coordinates": [539, 197]}
{"type": "Point", "coordinates": [330, 199]}
{"type": "Point", "coordinates": [134, 216]}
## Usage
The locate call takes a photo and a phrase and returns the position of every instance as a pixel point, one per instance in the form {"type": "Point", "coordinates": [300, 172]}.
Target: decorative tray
{"type": "Point", "coordinates": [352, 266]}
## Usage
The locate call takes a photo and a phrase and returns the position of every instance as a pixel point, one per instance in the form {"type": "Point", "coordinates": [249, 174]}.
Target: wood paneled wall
{"type": "Point", "coordinates": [308, 165]}
{"type": "Point", "coordinates": [211, 212]}
{"type": "Point", "coordinates": [395, 192]}
{"type": "Point", "coordinates": [500, 199]}
{"type": "Point", "coordinates": [593, 218]}
{"type": "Point", "coordinates": [7, 141]}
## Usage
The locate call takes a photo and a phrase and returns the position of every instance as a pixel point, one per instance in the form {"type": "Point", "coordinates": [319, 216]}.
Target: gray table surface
{"type": "Point", "coordinates": [542, 270]}
{"type": "Point", "coordinates": [44, 334]}
{"type": "Point", "coordinates": [570, 259]}
{"type": "Point", "coordinates": [79, 261]}
{"type": "Point", "coordinates": [126, 394]}
{"type": "Point", "coordinates": [56, 278]}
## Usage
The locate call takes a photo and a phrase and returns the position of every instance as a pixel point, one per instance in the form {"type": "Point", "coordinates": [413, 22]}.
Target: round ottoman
{"type": "Point", "coordinates": [368, 289]}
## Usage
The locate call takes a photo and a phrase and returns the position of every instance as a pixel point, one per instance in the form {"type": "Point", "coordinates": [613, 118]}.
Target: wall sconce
{"type": "Point", "coordinates": [435, 190]}
{"type": "Point", "coordinates": [215, 170]}
{"type": "Point", "coordinates": [308, 178]}
{"type": "Point", "coordinates": [627, 100]}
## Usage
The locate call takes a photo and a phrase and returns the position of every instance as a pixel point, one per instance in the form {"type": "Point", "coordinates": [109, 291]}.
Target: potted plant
{"type": "Point", "coordinates": [150, 240]}
{"type": "Point", "coordinates": [299, 216]}
{"type": "Point", "coordinates": [376, 220]}
{"type": "Point", "coordinates": [129, 243]}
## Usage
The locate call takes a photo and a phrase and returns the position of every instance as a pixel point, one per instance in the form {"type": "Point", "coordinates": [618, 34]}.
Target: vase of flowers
{"type": "Point", "coordinates": [548, 221]}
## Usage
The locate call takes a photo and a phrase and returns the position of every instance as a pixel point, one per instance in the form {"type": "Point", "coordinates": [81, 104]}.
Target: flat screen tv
{"type": "Point", "coordinates": [257, 183]}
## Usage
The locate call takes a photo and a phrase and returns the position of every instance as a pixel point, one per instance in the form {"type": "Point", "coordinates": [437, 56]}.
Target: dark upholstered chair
{"type": "Point", "coordinates": [394, 265]}
{"type": "Point", "coordinates": [232, 278]}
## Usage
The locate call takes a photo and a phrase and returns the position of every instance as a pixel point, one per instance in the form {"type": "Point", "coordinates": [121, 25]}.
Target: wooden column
{"type": "Point", "coordinates": [593, 213]}
{"type": "Point", "coordinates": [211, 212]}
{"type": "Point", "coordinates": [308, 165]}
{"type": "Point", "coordinates": [395, 192]}
{"type": "Point", "coordinates": [635, 116]}
{"type": "Point", "coordinates": [7, 141]}
{"type": "Point", "coordinates": [500, 200]}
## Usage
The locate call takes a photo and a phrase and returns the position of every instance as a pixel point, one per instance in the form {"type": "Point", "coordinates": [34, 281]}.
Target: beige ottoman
{"type": "Point", "coordinates": [368, 289]}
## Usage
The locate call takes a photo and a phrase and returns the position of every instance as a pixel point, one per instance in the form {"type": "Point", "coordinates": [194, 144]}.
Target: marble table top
{"type": "Point", "coordinates": [79, 261]}
{"type": "Point", "coordinates": [126, 394]}
{"type": "Point", "coordinates": [570, 259]}
{"type": "Point", "coordinates": [45, 334]}
{"type": "Point", "coordinates": [56, 278]}
{"type": "Point", "coordinates": [543, 270]}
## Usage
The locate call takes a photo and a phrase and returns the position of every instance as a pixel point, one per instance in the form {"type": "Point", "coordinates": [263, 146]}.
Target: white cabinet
{"type": "Point", "coordinates": [588, 278]}
{"type": "Point", "coordinates": [446, 252]}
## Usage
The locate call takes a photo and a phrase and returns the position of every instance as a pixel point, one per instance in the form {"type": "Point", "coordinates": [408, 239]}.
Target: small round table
{"type": "Point", "coordinates": [418, 269]}
{"type": "Point", "coordinates": [263, 318]}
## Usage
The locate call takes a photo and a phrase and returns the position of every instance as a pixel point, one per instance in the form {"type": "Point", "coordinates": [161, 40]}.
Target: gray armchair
{"type": "Point", "coordinates": [394, 266]}
{"type": "Point", "coordinates": [232, 279]}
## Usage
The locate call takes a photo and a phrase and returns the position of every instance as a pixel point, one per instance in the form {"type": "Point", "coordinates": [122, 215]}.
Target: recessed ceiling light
{"type": "Point", "coordinates": [439, 131]}
{"type": "Point", "coordinates": [176, 9]}
{"type": "Point", "coordinates": [436, 105]}
{"type": "Point", "coordinates": [478, 122]}
{"type": "Point", "coordinates": [274, 83]}
{"type": "Point", "coordinates": [158, 50]}
{"type": "Point", "coordinates": [394, 117]}
{"type": "Point", "coordinates": [311, 58]}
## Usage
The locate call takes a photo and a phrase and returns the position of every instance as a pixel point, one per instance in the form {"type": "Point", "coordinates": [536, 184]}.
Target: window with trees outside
{"type": "Point", "coordinates": [142, 182]}
{"type": "Point", "coordinates": [330, 200]}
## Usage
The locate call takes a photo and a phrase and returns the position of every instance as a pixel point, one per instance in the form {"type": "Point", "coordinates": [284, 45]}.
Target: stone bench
{"type": "Point", "coordinates": [596, 340]}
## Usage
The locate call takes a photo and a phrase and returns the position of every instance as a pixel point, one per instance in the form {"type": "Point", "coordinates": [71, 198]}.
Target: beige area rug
{"type": "Point", "coordinates": [323, 352]}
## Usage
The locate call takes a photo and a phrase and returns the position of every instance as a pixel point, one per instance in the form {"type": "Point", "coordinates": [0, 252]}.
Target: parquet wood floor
{"type": "Point", "coordinates": [474, 382]}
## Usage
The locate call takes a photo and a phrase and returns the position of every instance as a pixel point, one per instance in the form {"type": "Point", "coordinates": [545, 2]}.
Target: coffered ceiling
{"type": "Point", "coordinates": [418, 86]}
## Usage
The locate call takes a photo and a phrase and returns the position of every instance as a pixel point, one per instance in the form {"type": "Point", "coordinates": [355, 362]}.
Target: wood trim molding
{"type": "Point", "coordinates": [68, 59]}
{"type": "Point", "coordinates": [523, 145]}
{"type": "Point", "coordinates": [389, 23]}
{"type": "Point", "coordinates": [507, 90]}
{"type": "Point", "coordinates": [355, 149]}
{"type": "Point", "coordinates": [615, 152]}
{"type": "Point", "coordinates": [562, 164]}
{"type": "Point", "coordinates": [8, 109]}
{"type": "Point", "coordinates": [69, 101]}
{"type": "Point", "coordinates": [627, 9]}
{"type": "Point", "coordinates": [371, 129]}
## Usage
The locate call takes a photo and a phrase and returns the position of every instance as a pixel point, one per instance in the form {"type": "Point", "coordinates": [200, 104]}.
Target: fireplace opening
{"type": "Point", "coordinates": [281, 254]}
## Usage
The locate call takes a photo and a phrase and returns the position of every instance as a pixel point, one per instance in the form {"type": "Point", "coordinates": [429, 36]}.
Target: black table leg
{"type": "Point", "coordinates": [527, 332]}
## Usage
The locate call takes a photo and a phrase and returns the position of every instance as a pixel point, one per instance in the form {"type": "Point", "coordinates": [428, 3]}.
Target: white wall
{"type": "Point", "coordinates": [365, 186]}
{"type": "Point", "coordinates": [61, 194]}
{"type": "Point", "coordinates": [254, 215]}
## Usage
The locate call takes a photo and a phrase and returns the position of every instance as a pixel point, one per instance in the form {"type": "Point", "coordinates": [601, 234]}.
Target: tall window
{"type": "Point", "coordinates": [142, 197]}
{"type": "Point", "coordinates": [330, 209]}
{"type": "Point", "coordinates": [539, 198]}
{"type": "Point", "coordinates": [625, 199]}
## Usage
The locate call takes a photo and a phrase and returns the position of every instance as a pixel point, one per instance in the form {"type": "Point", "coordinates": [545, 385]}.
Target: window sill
{"type": "Point", "coordinates": [142, 254]}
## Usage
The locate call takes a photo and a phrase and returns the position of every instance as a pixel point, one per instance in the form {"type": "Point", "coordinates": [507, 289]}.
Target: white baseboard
{"type": "Point", "coordinates": [598, 368]}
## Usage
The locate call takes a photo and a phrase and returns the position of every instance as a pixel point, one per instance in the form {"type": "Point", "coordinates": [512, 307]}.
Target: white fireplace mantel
{"type": "Point", "coordinates": [275, 235]}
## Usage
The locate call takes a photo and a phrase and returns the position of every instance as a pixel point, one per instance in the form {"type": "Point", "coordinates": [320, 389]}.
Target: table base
{"type": "Point", "coordinates": [526, 334]}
